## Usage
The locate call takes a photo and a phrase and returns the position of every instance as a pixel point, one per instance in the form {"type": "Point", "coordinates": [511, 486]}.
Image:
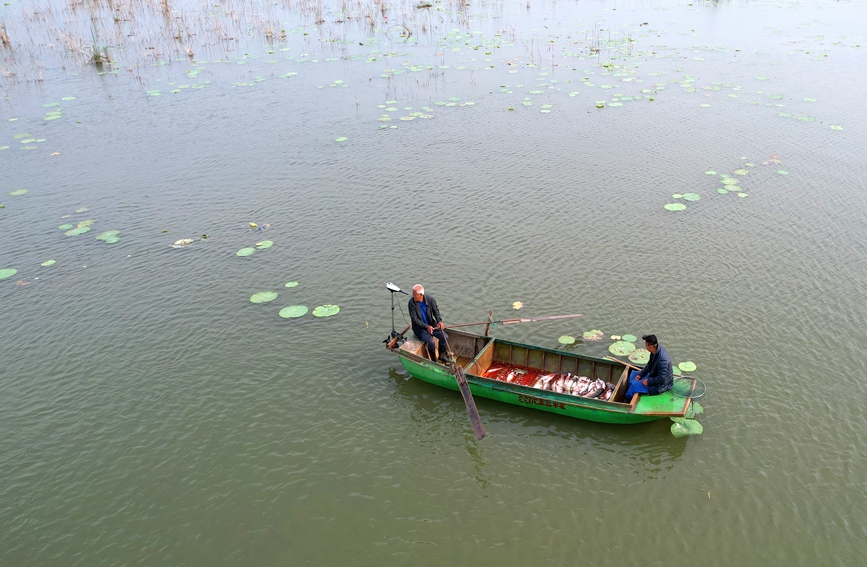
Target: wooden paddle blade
{"type": "Point", "coordinates": [472, 411]}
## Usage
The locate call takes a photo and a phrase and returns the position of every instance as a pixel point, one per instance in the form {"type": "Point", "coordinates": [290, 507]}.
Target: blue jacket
{"type": "Point", "coordinates": [658, 372]}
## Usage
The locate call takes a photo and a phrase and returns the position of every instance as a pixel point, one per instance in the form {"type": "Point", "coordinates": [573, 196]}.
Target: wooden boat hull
{"type": "Point", "coordinates": [642, 409]}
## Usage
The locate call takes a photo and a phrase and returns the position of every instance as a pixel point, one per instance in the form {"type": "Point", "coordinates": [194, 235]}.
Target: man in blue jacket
{"type": "Point", "coordinates": [427, 322]}
{"type": "Point", "coordinates": [656, 376]}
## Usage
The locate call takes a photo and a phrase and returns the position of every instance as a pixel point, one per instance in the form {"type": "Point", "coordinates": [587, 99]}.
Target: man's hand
{"type": "Point", "coordinates": [644, 381]}
{"type": "Point", "coordinates": [429, 330]}
{"type": "Point", "coordinates": [441, 326]}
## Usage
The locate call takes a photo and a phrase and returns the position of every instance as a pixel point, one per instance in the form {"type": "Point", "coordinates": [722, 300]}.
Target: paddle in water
{"type": "Point", "coordinates": [464, 387]}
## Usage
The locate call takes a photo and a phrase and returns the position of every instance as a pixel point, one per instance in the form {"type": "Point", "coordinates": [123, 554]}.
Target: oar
{"type": "Point", "coordinates": [623, 363]}
{"type": "Point", "coordinates": [510, 321]}
{"type": "Point", "coordinates": [472, 411]}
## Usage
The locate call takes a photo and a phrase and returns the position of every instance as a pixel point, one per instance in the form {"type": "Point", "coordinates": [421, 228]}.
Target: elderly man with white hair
{"type": "Point", "coordinates": [427, 322]}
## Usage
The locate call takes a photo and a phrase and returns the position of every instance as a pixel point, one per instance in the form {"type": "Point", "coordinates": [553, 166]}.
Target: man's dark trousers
{"type": "Point", "coordinates": [428, 339]}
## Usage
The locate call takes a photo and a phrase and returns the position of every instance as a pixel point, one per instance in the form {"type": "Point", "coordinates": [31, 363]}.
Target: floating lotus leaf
{"type": "Point", "coordinates": [110, 234]}
{"type": "Point", "coordinates": [245, 252]}
{"type": "Point", "coordinates": [710, 172]}
{"type": "Point", "coordinates": [65, 226]}
{"type": "Point", "coordinates": [691, 196]}
{"type": "Point", "coordinates": [517, 305]}
{"type": "Point", "coordinates": [566, 340]}
{"type": "Point", "coordinates": [621, 348]}
{"type": "Point", "coordinates": [676, 371]}
{"type": "Point", "coordinates": [675, 206]}
{"type": "Point", "coordinates": [722, 191]}
{"type": "Point", "coordinates": [743, 195]}
{"type": "Point", "coordinates": [19, 192]}
{"type": "Point", "coordinates": [730, 181]}
{"type": "Point", "coordinates": [7, 273]}
{"type": "Point", "coordinates": [615, 337]}
{"type": "Point", "coordinates": [340, 139]}
{"type": "Point", "coordinates": [264, 245]}
{"type": "Point", "coordinates": [293, 311]}
{"type": "Point", "coordinates": [639, 356]}
{"type": "Point", "coordinates": [84, 223]}
{"type": "Point", "coordinates": [112, 240]}
{"type": "Point", "coordinates": [677, 196]}
{"type": "Point", "coordinates": [291, 284]}
{"type": "Point", "coordinates": [683, 427]}
{"type": "Point", "coordinates": [77, 231]}
{"type": "Point", "coordinates": [630, 338]}
{"type": "Point", "coordinates": [326, 310]}
{"type": "Point", "coordinates": [263, 296]}
{"type": "Point", "coordinates": [835, 127]}
{"type": "Point", "coordinates": [782, 172]}
{"type": "Point", "coordinates": [687, 366]}
{"type": "Point", "coordinates": [593, 335]}
{"type": "Point", "coordinates": [47, 263]}
{"type": "Point", "coordinates": [694, 409]}
{"type": "Point", "coordinates": [742, 172]}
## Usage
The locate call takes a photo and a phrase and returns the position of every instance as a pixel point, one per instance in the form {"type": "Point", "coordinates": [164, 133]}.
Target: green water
{"type": "Point", "coordinates": [152, 415]}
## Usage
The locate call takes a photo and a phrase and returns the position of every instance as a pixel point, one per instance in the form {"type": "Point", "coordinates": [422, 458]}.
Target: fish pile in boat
{"type": "Point", "coordinates": [575, 386]}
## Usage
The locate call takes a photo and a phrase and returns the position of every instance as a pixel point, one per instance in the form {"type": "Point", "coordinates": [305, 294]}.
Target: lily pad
{"type": "Point", "coordinates": [517, 305]}
{"type": "Point", "coordinates": [676, 371]}
{"type": "Point", "coordinates": [264, 245]}
{"type": "Point", "coordinates": [742, 172]}
{"type": "Point", "coordinates": [7, 273]}
{"type": "Point", "coordinates": [675, 206]}
{"type": "Point", "coordinates": [621, 348]}
{"type": "Point", "coordinates": [291, 284]}
{"type": "Point", "coordinates": [687, 366]}
{"type": "Point", "coordinates": [694, 409]}
{"type": "Point", "coordinates": [341, 139]}
{"type": "Point", "coordinates": [683, 427]}
{"type": "Point", "coordinates": [77, 231]}
{"type": "Point", "coordinates": [19, 192]}
{"type": "Point", "coordinates": [639, 356]}
{"type": "Point", "coordinates": [293, 311]}
{"type": "Point", "coordinates": [782, 172]}
{"type": "Point", "coordinates": [263, 296]}
{"type": "Point", "coordinates": [691, 196]}
{"type": "Point", "coordinates": [245, 252]}
{"type": "Point", "coordinates": [47, 263]}
{"type": "Point", "coordinates": [722, 191]}
{"type": "Point", "coordinates": [835, 127]}
{"type": "Point", "coordinates": [113, 233]}
{"type": "Point", "coordinates": [85, 223]}
{"type": "Point", "coordinates": [566, 340]}
{"type": "Point", "coordinates": [112, 240]}
{"type": "Point", "coordinates": [593, 335]}
{"type": "Point", "coordinates": [677, 196]}
{"type": "Point", "coordinates": [65, 226]}
{"type": "Point", "coordinates": [729, 181]}
{"type": "Point", "coordinates": [326, 310]}
{"type": "Point", "coordinates": [629, 337]}
{"type": "Point", "coordinates": [710, 172]}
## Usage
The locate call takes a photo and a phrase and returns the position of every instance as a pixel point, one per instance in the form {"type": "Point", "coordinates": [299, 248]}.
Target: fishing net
{"type": "Point", "coordinates": [688, 387]}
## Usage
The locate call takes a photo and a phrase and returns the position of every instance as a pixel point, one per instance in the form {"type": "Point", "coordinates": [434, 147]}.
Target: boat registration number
{"type": "Point", "coordinates": [540, 402]}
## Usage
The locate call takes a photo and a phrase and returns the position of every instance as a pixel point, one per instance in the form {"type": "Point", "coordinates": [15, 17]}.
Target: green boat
{"type": "Point", "coordinates": [477, 355]}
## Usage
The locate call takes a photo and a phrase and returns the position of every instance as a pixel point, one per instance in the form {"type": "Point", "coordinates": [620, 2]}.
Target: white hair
{"type": "Point", "coordinates": [418, 287]}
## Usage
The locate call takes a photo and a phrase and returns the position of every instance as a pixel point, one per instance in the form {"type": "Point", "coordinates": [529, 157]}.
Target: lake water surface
{"type": "Point", "coordinates": [152, 415]}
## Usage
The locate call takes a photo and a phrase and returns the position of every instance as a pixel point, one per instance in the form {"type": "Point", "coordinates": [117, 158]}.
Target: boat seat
{"type": "Point", "coordinates": [416, 346]}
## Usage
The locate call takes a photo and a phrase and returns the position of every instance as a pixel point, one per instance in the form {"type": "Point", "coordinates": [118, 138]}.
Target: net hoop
{"type": "Point", "coordinates": [688, 387]}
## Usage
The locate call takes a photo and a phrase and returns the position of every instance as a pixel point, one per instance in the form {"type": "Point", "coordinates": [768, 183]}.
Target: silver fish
{"type": "Point", "coordinates": [595, 393]}
{"type": "Point", "coordinates": [510, 376]}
